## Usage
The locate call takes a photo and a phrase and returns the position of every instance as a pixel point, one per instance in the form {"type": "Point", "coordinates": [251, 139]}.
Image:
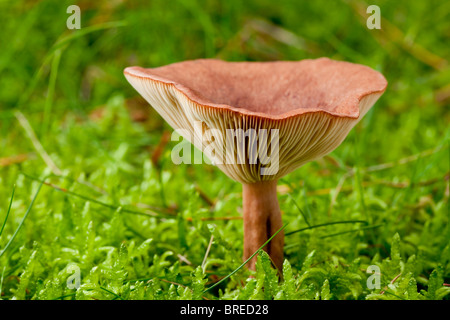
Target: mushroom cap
{"type": "Point", "coordinates": [312, 103]}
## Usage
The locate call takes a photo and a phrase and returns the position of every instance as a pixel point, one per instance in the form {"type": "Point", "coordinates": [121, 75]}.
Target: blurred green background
{"type": "Point", "coordinates": [67, 114]}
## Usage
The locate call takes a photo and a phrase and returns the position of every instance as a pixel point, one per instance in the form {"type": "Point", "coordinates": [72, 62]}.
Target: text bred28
{"type": "Point", "coordinates": [246, 309]}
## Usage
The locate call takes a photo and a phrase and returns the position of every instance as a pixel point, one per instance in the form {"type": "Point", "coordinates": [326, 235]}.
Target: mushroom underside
{"type": "Point", "coordinates": [233, 141]}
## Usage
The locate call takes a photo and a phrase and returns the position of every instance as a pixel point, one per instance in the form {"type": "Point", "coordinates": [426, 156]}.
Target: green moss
{"type": "Point", "coordinates": [135, 229]}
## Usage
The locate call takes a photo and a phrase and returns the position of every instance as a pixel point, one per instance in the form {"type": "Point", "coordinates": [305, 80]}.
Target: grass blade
{"type": "Point", "coordinates": [155, 214]}
{"type": "Point", "coordinates": [65, 296]}
{"type": "Point", "coordinates": [116, 296]}
{"type": "Point", "coordinates": [51, 91]}
{"type": "Point", "coordinates": [350, 231]}
{"type": "Point", "coordinates": [326, 224]}
{"type": "Point", "coordinates": [246, 261]}
{"type": "Point", "coordinates": [23, 220]}
{"type": "Point", "coordinates": [1, 282]}
{"type": "Point", "coordinates": [9, 209]}
{"type": "Point", "coordinates": [299, 209]}
{"type": "Point", "coordinates": [337, 234]}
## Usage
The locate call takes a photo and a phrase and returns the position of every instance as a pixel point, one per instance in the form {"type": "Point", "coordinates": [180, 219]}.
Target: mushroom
{"type": "Point", "coordinates": [297, 110]}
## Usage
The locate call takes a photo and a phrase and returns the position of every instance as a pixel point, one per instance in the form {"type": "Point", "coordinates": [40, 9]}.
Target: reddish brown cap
{"type": "Point", "coordinates": [313, 104]}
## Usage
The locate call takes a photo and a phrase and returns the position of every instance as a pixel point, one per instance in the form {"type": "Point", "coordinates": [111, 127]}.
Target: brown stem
{"type": "Point", "coordinates": [262, 218]}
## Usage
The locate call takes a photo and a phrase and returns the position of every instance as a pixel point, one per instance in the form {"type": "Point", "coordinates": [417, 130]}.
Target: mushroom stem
{"type": "Point", "coordinates": [262, 218]}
